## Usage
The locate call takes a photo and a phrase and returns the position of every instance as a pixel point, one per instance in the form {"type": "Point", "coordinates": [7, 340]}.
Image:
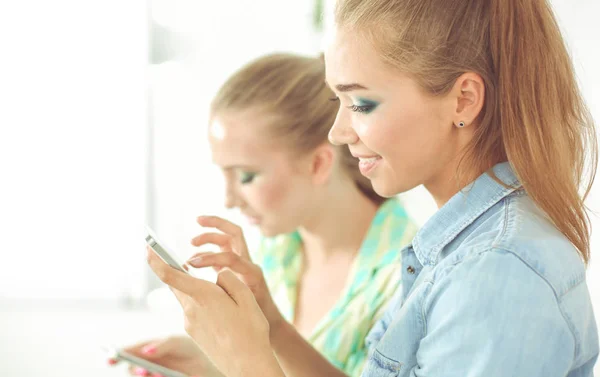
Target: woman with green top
{"type": "Point", "coordinates": [330, 253]}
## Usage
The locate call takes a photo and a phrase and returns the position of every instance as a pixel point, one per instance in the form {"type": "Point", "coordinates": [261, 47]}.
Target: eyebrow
{"type": "Point", "coordinates": [239, 167]}
{"type": "Point", "coordinates": [347, 87]}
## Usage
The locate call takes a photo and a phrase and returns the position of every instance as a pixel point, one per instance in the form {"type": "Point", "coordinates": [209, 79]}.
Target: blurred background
{"type": "Point", "coordinates": [103, 109]}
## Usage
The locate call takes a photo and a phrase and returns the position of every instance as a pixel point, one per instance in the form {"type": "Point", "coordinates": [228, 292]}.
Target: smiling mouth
{"type": "Point", "coordinates": [368, 160]}
{"type": "Point", "coordinates": [366, 165]}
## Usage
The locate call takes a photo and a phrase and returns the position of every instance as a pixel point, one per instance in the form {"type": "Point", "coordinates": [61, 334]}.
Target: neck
{"type": "Point", "coordinates": [341, 221]}
{"type": "Point", "coordinates": [446, 184]}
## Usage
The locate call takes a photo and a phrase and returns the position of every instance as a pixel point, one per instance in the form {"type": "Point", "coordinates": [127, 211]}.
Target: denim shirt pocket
{"type": "Point", "coordinates": [379, 365]}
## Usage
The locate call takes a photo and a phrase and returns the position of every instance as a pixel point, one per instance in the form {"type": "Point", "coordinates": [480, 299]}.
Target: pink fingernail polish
{"type": "Point", "coordinates": [112, 361]}
{"type": "Point", "coordinates": [149, 349]}
{"type": "Point", "coordinates": [140, 372]}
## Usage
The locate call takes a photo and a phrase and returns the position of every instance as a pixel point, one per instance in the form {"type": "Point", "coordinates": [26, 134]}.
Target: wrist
{"type": "Point", "coordinates": [276, 321]}
{"type": "Point", "coordinates": [268, 366]}
{"type": "Point", "coordinates": [262, 364]}
{"type": "Point", "coordinates": [278, 332]}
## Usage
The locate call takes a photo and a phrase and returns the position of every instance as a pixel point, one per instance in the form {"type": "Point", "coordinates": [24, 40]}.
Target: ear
{"type": "Point", "coordinates": [322, 163]}
{"type": "Point", "coordinates": [469, 92]}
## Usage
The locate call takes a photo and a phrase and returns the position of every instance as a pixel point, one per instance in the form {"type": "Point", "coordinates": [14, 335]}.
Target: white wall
{"type": "Point", "coordinates": [73, 121]}
{"type": "Point", "coordinates": [72, 140]}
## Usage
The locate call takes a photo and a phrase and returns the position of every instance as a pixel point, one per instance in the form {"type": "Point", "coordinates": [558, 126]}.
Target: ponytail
{"type": "Point", "coordinates": [545, 124]}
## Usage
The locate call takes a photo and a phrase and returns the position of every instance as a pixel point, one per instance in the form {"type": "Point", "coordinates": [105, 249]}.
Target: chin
{"type": "Point", "coordinates": [383, 189]}
{"type": "Point", "coordinates": [389, 189]}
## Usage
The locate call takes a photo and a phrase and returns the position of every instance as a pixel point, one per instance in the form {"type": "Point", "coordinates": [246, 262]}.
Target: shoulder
{"type": "Point", "coordinates": [517, 232]}
{"type": "Point", "coordinates": [516, 270]}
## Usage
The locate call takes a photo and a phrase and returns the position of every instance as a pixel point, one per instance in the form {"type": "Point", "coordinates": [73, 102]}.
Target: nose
{"type": "Point", "coordinates": [231, 196]}
{"type": "Point", "coordinates": [341, 131]}
{"type": "Point", "coordinates": [230, 201]}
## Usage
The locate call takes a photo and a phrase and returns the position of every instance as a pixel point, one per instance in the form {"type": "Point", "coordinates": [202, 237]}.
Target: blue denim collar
{"type": "Point", "coordinates": [461, 211]}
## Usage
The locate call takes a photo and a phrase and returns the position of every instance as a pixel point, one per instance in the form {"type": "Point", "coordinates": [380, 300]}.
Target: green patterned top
{"type": "Point", "coordinates": [373, 279]}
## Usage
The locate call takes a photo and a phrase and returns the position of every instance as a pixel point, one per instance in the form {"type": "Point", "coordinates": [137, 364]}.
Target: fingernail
{"type": "Point", "coordinates": [196, 260]}
{"type": "Point", "coordinates": [149, 349]}
{"type": "Point", "coordinates": [112, 361]}
{"type": "Point", "coordinates": [140, 372]}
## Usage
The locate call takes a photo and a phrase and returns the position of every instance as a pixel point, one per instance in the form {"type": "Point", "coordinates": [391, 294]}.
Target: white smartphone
{"type": "Point", "coordinates": [161, 250]}
{"type": "Point", "coordinates": [151, 367]}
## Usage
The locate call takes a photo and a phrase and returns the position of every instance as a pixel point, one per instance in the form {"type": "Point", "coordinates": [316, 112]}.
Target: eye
{"type": "Point", "coordinates": [247, 177]}
{"type": "Point", "coordinates": [361, 108]}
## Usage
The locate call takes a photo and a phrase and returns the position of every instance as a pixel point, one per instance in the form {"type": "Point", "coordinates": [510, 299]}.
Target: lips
{"type": "Point", "coordinates": [367, 165]}
{"type": "Point", "coordinates": [252, 219]}
{"type": "Point", "coordinates": [368, 160]}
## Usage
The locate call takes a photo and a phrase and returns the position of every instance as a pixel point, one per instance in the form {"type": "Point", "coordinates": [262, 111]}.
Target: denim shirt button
{"type": "Point", "coordinates": [410, 270]}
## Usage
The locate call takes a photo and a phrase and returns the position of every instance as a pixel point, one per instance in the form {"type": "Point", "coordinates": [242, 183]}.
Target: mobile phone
{"type": "Point", "coordinates": [151, 367]}
{"type": "Point", "coordinates": [161, 250]}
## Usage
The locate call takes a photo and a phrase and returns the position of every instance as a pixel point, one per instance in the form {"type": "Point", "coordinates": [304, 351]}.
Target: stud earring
{"type": "Point", "coordinates": [461, 124]}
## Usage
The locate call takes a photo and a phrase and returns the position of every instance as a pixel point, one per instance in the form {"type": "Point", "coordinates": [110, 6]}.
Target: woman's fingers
{"type": "Point", "coordinates": [219, 239]}
{"type": "Point", "coordinates": [139, 349]}
{"type": "Point", "coordinates": [138, 371]}
{"type": "Point", "coordinates": [201, 254]}
{"type": "Point", "coordinates": [228, 228]}
{"type": "Point", "coordinates": [226, 259]}
{"type": "Point", "coordinates": [223, 225]}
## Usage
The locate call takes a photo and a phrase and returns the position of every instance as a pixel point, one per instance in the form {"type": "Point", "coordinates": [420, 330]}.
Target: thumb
{"type": "Point", "coordinates": [234, 287]}
{"type": "Point", "coordinates": [156, 349]}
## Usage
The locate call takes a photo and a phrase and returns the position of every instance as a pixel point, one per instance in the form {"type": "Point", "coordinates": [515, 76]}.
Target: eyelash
{"type": "Point", "coordinates": [361, 109]}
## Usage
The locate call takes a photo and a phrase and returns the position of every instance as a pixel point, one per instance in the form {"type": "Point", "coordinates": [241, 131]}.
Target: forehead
{"type": "Point", "coordinates": [242, 137]}
{"type": "Point", "coordinates": [351, 58]}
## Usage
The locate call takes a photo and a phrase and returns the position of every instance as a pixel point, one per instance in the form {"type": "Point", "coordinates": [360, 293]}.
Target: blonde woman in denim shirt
{"type": "Point", "coordinates": [477, 101]}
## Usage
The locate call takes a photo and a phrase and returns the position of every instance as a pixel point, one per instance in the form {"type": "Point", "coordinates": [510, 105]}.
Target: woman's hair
{"type": "Point", "coordinates": [534, 116]}
{"type": "Point", "coordinates": [292, 88]}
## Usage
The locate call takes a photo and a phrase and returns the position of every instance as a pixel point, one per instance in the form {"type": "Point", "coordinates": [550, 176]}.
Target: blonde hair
{"type": "Point", "coordinates": [293, 88]}
{"type": "Point", "coordinates": [534, 116]}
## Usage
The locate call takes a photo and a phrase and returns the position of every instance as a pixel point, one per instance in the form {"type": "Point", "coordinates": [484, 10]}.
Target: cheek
{"type": "Point", "coordinates": [409, 133]}
{"type": "Point", "coordinates": [385, 133]}
{"type": "Point", "coordinates": [268, 195]}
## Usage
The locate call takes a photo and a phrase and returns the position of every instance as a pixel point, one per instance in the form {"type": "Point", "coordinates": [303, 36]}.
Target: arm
{"type": "Point", "coordinates": [297, 357]}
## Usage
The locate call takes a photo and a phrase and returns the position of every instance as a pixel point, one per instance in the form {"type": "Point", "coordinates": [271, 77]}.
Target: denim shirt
{"type": "Point", "coordinates": [490, 288]}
